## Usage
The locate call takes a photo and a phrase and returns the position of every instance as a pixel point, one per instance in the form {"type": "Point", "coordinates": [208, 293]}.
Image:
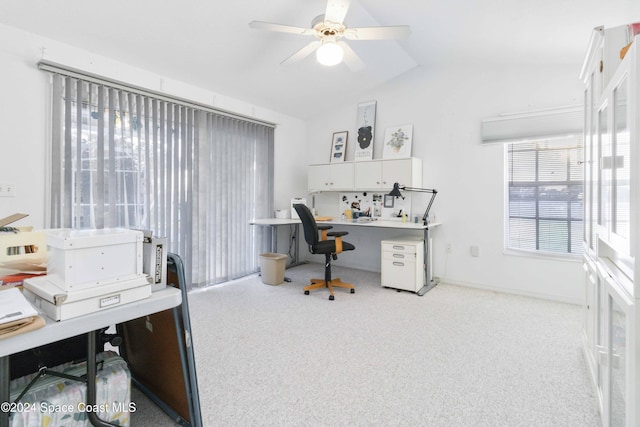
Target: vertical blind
{"type": "Point", "coordinates": [122, 158]}
{"type": "Point", "coordinates": [545, 195]}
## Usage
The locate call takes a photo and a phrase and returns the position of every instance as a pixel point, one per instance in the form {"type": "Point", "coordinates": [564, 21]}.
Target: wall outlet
{"type": "Point", "coordinates": [475, 251]}
{"type": "Point", "coordinates": [7, 190]}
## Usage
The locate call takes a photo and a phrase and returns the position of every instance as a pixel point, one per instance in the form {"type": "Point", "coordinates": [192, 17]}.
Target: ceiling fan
{"type": "Point", "coordinates": [329, 29]}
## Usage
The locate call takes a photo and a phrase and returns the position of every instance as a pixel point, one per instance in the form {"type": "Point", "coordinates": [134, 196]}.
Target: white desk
{"type": "Point", "coordinates": [89, 324]}
{"type": "Point", "coordinates": [376, 224]}
{"type": "Point", "coordinates": [274, 223]}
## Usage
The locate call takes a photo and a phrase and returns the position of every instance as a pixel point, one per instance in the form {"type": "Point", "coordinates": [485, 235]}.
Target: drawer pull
{"type": "Point", "coordinates": [398, 247]}
{"type": "Point", "coordinates": [398, 263]}
{"type": "Point", "coordinates": [398, 255]}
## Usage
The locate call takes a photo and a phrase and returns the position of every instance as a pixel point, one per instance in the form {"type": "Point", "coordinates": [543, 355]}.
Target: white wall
{"type": "Point", "coordinates": [445, 106]}
{"type": "Point", "coordinates": [24, 116]}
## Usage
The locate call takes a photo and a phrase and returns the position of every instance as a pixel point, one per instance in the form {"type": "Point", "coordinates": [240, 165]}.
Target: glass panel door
{"type": "Point", "coordinates": [617, 344]}
{"type": "Point", "coordinates": [601, 347]}
{"type": "Point", "coordinates": [604, 172]}
{"type": "Point", "coordinates": [591, 176]}
{"type": "Point", "coordinates": [620, 164]}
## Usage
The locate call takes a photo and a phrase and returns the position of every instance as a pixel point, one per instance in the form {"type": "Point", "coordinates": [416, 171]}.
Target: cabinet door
{"type": "Point", "coordinates": [341, 176]}
{"type": "Point", "coordinates": [400, 171]}
{"type": "Point", "coordinates": [330, 177]}
{"type": "Point", "coordinates": [368, 175]}
{"type": "Point", "coordinates": [318, 178]}
{"type": "Point", "coordinates": [590, 170]}
{"type": "Point", "coordinates": [589, 309]}
{"type": "Point", "coordinates": [382, 174]}
{"type": "Point", "coordinates": [600, 325]}
{"type": "Point", "coordinates": [618, 364]}
{"type": "Point", "coordinates": [620, 170]}
{"type": "Point", "coordinates": [604, 173]}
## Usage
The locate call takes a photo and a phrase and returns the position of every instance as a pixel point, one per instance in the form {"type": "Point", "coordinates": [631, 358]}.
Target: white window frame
{"type": "Point", "coordinates": [571, 256]}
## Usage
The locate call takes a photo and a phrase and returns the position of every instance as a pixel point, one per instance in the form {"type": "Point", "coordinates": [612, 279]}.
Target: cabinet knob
{"type": "Point", "coordinates": [399, 264]}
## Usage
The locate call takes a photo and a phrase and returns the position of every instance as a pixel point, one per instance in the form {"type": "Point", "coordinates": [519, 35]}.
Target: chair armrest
{"type": "Point", "coordinates": [338, 240]}
{"type": "Point", "coordinates": [323, 231]}
{"type": "Point", "coordinates": [337, 233]}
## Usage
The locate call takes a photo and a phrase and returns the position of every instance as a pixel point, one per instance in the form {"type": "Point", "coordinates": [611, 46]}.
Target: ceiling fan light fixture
{"type": "Point", "coordinates": [329, 54]}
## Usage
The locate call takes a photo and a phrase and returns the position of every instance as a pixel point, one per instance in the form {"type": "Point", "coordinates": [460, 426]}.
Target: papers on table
{"type": "Point", "coordinates": [14, 306]}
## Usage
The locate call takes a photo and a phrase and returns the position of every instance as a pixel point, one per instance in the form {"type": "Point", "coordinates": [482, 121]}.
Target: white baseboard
{"type": "Point", "coordinates": [486, 287]}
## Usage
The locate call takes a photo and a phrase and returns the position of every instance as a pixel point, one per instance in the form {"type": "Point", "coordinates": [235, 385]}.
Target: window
{"type": "Point", "coordinates": [125, 158]}
{"type": "Point", "coordinates": [545, 195]}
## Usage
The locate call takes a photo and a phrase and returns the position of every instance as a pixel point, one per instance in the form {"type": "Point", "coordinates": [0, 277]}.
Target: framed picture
{"type": "Point", "coordinates": [388, 201]}
{"type": "Point", "coordinates": [338, 146]}
{"type": "Point", "coordinates": [397, 142]}
{"type": "Point", "coordinates": [366, 125]}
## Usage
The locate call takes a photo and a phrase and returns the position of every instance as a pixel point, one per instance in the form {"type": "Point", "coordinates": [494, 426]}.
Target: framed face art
{"type": "Point", "coordinates": [366, 125]}
{"type": "Point", "coordinates": [338, 146]}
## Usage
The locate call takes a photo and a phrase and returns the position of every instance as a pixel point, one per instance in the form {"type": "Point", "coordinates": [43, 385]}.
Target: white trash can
{"type": "Point", "coordinates": [272, 268]}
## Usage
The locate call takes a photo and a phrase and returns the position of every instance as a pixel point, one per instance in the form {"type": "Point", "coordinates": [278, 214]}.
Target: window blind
{"type": "Point", "coordinates": [545, 195]}
{"type": "Point", "coordinates": [127, 159]}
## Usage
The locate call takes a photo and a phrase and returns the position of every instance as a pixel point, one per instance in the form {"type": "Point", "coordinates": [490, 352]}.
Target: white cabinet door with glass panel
{"type": "Point", "coordinates": [611, 223]}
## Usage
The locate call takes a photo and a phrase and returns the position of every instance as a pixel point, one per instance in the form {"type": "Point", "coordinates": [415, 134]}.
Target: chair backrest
{"type": "Point", "coordinates": [308, 223]}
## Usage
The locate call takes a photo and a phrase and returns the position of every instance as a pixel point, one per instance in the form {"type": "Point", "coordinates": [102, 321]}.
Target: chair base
{"type": "Point", "coordinates": [320, 283]}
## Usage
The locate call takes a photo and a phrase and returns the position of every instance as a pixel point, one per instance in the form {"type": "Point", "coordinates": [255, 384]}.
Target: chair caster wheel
{"type": "Point", "coordinates": [306, 292]}
{"type": "Point", "coordinates": [353, 291]}
{"type": "Point", "coordinates": [331, 297]}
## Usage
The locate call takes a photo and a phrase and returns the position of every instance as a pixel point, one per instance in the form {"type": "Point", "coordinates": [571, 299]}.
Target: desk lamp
{"type": "Point", "coordinates": [396, 193]}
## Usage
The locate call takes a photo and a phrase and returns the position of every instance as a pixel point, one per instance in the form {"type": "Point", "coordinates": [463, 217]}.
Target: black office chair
{"type": "Point", "coordinates": [322, 245]}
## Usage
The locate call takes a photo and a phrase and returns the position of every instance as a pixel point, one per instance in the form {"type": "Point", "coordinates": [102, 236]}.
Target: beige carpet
{"type": "Point", "coordinates": [272, 356]}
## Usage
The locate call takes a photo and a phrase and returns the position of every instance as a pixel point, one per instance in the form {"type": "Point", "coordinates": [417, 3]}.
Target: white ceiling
{"type": "Point", "coordinates": [208, 43]}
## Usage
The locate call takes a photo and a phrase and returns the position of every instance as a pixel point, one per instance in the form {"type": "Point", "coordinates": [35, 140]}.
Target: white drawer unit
{"type": "Point", "coordinates": [403, 263]}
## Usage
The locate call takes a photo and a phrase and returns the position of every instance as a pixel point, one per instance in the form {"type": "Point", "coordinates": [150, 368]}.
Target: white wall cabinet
{"type": "Point", "coordinates": [382, 174]}
{"type": "Point", "coordinates": [611, 224]}
{"type": "Point", "coordinates": [365, 175]}
{"type": "Point", "coordinates": [330, 177]}
{"type": "Point", "coordinates": [402, 265]}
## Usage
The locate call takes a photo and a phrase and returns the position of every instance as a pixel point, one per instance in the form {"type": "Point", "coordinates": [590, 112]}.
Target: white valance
{"type": "Point", "coordinates": [533, 125]}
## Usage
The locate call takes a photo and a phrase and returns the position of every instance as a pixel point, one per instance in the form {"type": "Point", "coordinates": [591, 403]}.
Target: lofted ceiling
{"type": "Point", "coordinates": [208, 43]}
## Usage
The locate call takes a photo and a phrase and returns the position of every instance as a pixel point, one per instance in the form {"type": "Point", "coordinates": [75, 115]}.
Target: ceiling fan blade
{"type": "Point", "coordinates": [350, 58]}
{"type": "Point", "coordinates": [378, 33]}
{"type": "Point", "coordinates": [302, 53]}
{"type": "Point", "coordinates": [336, 10]}
{"type": "Point", "coordinates": [270, 26]}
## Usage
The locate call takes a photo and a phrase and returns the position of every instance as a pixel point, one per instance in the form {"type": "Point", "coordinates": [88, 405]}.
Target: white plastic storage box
{"type": "Point", "coordinates": [85, 258]}
{"type": "Point", "coordinates": [59, 304]}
